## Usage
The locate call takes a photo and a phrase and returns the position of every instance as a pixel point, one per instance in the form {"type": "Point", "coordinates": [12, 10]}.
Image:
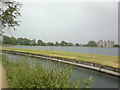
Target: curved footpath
{"type": "Point", "coordinates": [94, 66]}
{"type": "Point", "coordinates": [3, 80]}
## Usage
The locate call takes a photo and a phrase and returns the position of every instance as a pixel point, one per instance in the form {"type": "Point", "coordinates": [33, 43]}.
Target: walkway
{"type": "Point", "coordinates": [3, 80]}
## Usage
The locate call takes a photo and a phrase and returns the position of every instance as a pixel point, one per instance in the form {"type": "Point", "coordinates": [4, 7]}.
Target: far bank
{"type": "Point", "coordinates": [88, 50]}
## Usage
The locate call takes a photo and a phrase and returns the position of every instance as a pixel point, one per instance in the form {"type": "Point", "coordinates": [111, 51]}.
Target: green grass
{"type": "Point", "coordinates": [22, 75]}
{"type": "Point", "coordinates": [100, 59]}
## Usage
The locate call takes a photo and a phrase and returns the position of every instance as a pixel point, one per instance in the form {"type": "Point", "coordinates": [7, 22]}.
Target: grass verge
{"type": "Point", "coordinates": [100, 59]}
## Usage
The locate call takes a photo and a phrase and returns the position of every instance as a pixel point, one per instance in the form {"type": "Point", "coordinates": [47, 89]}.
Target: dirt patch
{"type": "Point", "coordinates": [3, 79]}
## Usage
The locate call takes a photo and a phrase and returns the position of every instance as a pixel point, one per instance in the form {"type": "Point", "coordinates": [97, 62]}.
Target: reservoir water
{"type": "Point", "coordinates": [101, 80]}
{"type": "Point", "coordinates": [90, 50]}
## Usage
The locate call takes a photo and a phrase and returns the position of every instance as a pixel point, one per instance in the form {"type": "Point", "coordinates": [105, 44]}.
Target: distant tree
{"type": "Point", "coordinates": [63, 43]}
{"type": "Point", "coordinates": [33, 42]}
{"type": "Point", "coordinates": [20, 41]}
{"type": "Point", "coordinates": [44, 44]}
{"type": "Point", "coordinates": [50, 44]}
{"type": "Point", "coordinates": [57, 44]}
{"type": "Point", "coordinates": [10, 40]}
{"type": "Point", "coordinates": [13, 41]}
{"type": "Point", "coordinates": [26, 41]}
{"type": "Point", "coordinates": [77, 44]}
{"type": "Point", "coordinates": [116, 45]}
{"type": "Point", "coordinates": [9, 12]}
{"type": "Point", "coordinates": [92, 44]}
{"type": "Point", "coordinates": [84, 45]}
{"type": "Point", "coordinates": [70, 44]}
{"type": "Point", "coordinates": [1, 42]}
{"type": "Point", "coordinates": [40, 42]}
{"type": "Point", "coordinates": [6, 40]}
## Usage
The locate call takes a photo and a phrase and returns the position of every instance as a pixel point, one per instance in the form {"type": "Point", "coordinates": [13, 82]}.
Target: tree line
{"type": "Point", "coordinates": [6, 40]}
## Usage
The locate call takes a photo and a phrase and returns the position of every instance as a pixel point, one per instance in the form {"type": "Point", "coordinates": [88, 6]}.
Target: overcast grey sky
{"type": "Point", "coordinates": [77, 22]}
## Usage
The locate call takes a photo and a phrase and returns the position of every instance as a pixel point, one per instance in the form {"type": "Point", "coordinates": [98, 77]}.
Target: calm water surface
{"type": "Point", "coordinates": [101, 80]}
{"type": "Point", "coordinates": [90, 50]}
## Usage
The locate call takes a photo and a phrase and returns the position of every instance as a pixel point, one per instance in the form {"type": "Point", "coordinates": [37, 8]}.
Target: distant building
{"type": "Point", "coordinates": [105, 43]}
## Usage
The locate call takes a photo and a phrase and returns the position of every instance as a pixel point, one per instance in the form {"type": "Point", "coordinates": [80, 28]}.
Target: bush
{"type": "Point", "coordinates": [92, 44]}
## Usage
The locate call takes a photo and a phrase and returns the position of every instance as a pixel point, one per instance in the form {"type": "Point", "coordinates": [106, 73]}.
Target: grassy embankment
{"type": "Point", "coordinates": [22, 75]}
{"type": "Point", "coordinates": [100, 59]}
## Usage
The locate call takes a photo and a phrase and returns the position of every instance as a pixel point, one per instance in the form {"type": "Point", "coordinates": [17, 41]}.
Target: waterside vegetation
{"type": "Point", "coordinates": [21, 74]}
